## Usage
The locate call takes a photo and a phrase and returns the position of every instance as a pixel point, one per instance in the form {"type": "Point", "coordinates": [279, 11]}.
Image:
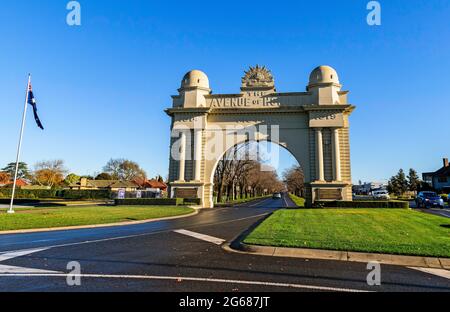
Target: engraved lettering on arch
{"type": "Point", "coordinates": [326, 115]}
{"type": "Point", "coordinates": [186, 118]}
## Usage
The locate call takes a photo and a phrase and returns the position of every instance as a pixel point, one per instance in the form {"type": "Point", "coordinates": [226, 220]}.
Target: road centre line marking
{"type": "Point", "coordinates": [192, 279]}
{"type": "Point", "coordinates": [203, 237]}
{"type": "Point", "coordinates": [438, 272]}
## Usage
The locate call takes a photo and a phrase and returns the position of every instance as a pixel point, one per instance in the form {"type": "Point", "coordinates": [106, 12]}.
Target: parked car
{"type": "Point", "coordinates": [429, 200]}
{"type": "Point", "coordinates": [381, 194]}
{"type": "Point", "coordinates": [276, 196]}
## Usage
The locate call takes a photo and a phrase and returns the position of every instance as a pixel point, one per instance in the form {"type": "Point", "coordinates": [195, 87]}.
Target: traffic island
{"type": "Point", "coordinates": [391, 236]}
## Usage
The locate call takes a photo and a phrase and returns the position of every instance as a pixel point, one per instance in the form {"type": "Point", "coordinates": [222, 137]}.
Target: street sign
{"type": "Point", "coordinates": [121, 194]}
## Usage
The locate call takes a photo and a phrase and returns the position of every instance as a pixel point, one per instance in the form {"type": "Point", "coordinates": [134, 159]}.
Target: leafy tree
{"type": "Point", "coordinates": [413, 180]}
{"type": "Point", "coordinates": [123, 169]}
{"type": "Point", "coordinates": [72, 179]}
{"type": "Point", "coordinates": [22, 173]}
{"type": "Point", "coordinates": [398, 184]}
{"type": "Point", "coordinates": [104, 176]}
{"type": "Point", "coordinates": [49, 173]}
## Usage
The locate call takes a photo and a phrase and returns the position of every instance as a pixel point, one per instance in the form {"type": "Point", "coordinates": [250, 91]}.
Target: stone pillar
{"type": "Point", "coordinates": [320, 175]}
{"type": "Point", "coordinates": [198, 155]}
{"type": "Point", "coordinates": [336, 155]}
{"type": "Point", "coordinates": [182, 157]}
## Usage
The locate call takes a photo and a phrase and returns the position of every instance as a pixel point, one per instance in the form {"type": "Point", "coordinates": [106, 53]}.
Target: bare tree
{"type": "Point", "coordinates": [239, 174]}
{"type": "Point", "coordinates": [294, 179]}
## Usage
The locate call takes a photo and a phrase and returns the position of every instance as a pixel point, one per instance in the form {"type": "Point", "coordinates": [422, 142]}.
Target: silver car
{"type": "Point", "coordinates": [277, 196]}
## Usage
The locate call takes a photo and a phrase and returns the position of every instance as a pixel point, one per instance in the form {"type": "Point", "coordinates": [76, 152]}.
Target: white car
{"type": "Point", "coordinates": [381, 195]}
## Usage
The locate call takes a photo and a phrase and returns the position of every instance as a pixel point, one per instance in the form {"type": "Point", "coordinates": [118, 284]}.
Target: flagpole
{"type": "Point", "coordinates": [11, 207]}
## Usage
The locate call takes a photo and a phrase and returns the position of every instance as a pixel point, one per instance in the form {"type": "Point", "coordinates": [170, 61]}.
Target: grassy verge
{"type": "Point", "coordinates": [50, 217]}
{"type": "Point", "coordinates": [299, 201]}
{"type": "Point", "coordinates": [391, 231]}
{"type": "Point", "coordinates": [242, 200]}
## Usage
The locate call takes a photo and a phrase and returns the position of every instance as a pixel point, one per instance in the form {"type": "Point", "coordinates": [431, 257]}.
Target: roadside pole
{"type": "Point", "coordinates": [11, 206]}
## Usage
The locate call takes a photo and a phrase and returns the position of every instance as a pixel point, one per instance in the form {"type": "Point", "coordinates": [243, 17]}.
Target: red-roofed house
{"type": "Point", "coordinates": [19, 183]}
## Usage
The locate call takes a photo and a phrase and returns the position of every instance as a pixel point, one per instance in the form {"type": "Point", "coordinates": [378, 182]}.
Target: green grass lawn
{"type": "Point", "coordinates": [392, 231]}
{"type": "Point", "coordinates": [36, 218]}
{"type": "Point", "coordinates": [299, 201]}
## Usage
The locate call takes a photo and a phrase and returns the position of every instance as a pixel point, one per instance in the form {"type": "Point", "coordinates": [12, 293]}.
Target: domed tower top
{"type": "Point", "coordinates": [195, 79]}
{"type": "Point", "coordinates": [324, 75]}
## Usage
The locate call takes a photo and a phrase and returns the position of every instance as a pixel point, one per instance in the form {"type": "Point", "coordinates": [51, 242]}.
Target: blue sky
{"type": "Point", "coordinates": [102, 87]}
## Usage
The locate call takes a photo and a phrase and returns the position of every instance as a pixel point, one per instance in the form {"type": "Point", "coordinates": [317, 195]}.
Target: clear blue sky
{"type": "Point", "coordinates": [102, 87]}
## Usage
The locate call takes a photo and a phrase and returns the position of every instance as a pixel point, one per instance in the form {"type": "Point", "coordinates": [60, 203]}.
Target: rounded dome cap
{"type": "Point", "coordinates": [195, 78]}
{"type": "Point", "coordinates": [323, 74]}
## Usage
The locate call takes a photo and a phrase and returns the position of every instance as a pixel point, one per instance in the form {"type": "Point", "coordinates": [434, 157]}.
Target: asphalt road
{"type": "Point", "coordinates": [436, 211]}
{"type": "Point", "coordinates": [153, 257]}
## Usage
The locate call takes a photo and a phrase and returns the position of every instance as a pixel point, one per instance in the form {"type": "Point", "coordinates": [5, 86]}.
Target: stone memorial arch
{"type": "Point", "coordinates": [312, 125]}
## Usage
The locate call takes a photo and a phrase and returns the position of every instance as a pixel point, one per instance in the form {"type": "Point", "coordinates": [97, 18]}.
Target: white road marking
{"type": "Point", "coordinates": [19, 253]}
{"type": "Point", "coordinates": [203, 237]}
{"type": "Point", "coordinates": [19, 270]}
{"type": "Point", "coordinates": [437, 272]}
{"type": "Point", "coordinates": [192, 279]}
{"type": "Point", "coordinates": [6, 269]}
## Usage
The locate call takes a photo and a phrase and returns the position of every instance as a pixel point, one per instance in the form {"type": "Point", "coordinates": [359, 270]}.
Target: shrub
{"type": "Point", "coordinates": [362, 204]}
{"type": "Point", "coordinates": [149, 202]}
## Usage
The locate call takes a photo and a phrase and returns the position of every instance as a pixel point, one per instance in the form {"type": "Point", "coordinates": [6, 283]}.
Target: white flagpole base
{"type": "Point", "coordinates": [11, 212]}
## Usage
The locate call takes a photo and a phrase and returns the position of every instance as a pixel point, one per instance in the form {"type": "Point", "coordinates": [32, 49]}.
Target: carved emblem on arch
{"type": "Point", "coordinates": [258, 76]}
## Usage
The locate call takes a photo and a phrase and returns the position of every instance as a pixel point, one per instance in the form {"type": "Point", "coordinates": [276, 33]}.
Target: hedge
{"type": "Point", "coordinates": [149, 202]}
{"type": "Point", "coordinates": [29, 194]}
{"type": "Point", "coordinates": [192, 201]}
{"type": "Point", "coordinates": [56, 193]}
{"type": "Point", "coordinates": [362, 204]}
{"type": "Point", "coordinates": [85, 194]}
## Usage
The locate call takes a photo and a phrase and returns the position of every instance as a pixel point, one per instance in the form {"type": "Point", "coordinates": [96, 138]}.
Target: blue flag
{"type": "Point", "coordinates": [32, 102]}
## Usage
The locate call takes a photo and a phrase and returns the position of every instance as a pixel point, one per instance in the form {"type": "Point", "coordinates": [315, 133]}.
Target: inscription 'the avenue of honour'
{"type": "Point", "coordinates": [245, 101]}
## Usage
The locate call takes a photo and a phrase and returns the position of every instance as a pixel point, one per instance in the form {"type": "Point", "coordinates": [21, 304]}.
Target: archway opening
{"type": "Point", "coordinates": [254, 169]}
